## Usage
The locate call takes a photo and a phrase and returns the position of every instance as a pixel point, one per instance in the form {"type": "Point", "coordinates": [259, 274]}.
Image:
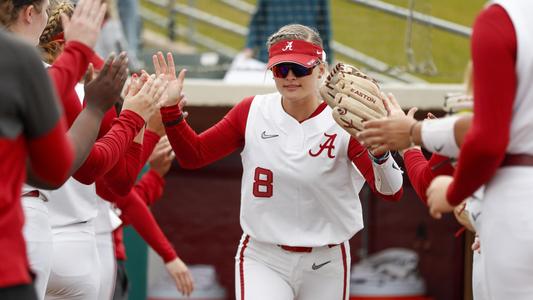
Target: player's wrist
{"type": "Point", "coordinates": [171, 115]}
{"type": "Point", "coordinates": [379, 159]}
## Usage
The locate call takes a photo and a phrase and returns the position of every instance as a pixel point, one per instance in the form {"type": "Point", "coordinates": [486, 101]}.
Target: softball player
{"type": "Point", "coordinates": [31, 129]}
{"type": "Point", "coordinates": [301, 175]}
{"type": "Point", "coordinates": [499, 148]}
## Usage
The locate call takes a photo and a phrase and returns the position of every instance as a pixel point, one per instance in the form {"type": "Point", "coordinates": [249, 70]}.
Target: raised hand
{"type": "Point", "coordinates": [161, 158]}
{"type": "Point", "coordinates": [388, 134]}
{"type": "Point", "coordinates": [392, 106]}
{"type": "Point", "coordinates": [144, 95]}
{"type": "Point", "coordinates": [181, 275]}
{"type": "Point", "coordinates": [168, 70]}
{"type": "Point", "coordinates": [104, 90]}
{"type": "Point", "coordinates": [86, 22]}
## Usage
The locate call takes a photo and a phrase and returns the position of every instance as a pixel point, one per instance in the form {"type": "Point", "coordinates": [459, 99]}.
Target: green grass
{"type": "Point", "coordinates": [369, 31]}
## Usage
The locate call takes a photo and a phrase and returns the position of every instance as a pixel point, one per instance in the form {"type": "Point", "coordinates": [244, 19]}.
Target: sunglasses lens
{"type": "Point", "coordinates": [282, 70]}
{"type": "Point", "coordinates": [300, 71]}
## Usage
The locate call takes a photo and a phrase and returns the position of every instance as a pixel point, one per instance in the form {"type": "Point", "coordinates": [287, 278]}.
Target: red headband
{"type": "Point", "coordinates": [294, 51]}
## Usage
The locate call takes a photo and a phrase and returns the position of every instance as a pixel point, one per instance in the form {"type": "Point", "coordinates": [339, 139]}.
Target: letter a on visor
{"type": "Point", "coordinates": [294, 51]}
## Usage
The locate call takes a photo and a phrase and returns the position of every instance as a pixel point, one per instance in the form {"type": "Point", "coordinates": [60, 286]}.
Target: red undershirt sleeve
{"type": "Point", "coordinates": [150, 140]}
{"type": "Point", "coordinates": [359, 156]}
{"type": "Point", "coordinates": [137, 213]}
{"type": "Point", "coordinates": [495, 80]}
{"type": "Point", "coordinates": [422, 171]}
{"type": "Point", "coordinates": [150, 187]}
{"type": "Point", "coordinates": [66, 72]}
{"type": "Point", "coordinates": [110, 148]}
{"type": "Point", "coordinates": [123, 175]}
{"type": "Point", "coordinates": [54, 143]}
{"type": "Point", "coordinates": [197, 150]}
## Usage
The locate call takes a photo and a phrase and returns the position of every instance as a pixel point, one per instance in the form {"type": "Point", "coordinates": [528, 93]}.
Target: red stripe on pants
{"type": "Point", "coordinates": [343, 251]}
{"type": "Point", "coordinates": [241, 264]}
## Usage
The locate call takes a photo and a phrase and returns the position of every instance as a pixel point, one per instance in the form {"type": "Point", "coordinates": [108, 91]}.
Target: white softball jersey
{"type": "Point", "coordinates": [299, 188]}
{"type": "Point", "coordinates": [522, 125]}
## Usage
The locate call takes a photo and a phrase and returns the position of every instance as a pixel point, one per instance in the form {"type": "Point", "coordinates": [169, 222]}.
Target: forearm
{"type": "Point", "coordinates": [123, 175]}
{"type": "Point", "coordinates": [51, 172]}
{"type": "Point", "coordinates": [149, 142]}
{"type": "Point", "coordinates": [360, 158]}
{"type": "Point", "coordinates": [493, 52]}
{"type": "Point", "coordinates": [145, 224]}
{"type": "Point", "coordinates": [193, 150]}
{"type": "Point", "coordinates": [70, 66]}
{"type": "Point", "coordinates": [83, 133]}
{"type": "Point", "coordinates": [150, 187]}
{"type": "Point", "coordinates": [137, 213]}
{"type": "Point", "coordinates": [443, 136]}
{"type": "Point", "coordinates": [388, 177]}
{"type": "Point", "coordinates": [421, 171]}
{"type": "Point", "coordinates": [109, 149]}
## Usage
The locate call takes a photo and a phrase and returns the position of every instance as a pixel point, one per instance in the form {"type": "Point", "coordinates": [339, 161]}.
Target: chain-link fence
{"type": "Point", "coordinates": [397, 40]}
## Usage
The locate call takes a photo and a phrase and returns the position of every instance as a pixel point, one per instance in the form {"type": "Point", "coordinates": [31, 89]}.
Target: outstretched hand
{"type": "Point", "coordinates": [145, 95]}
{"type": "Point", "coordinates": [168, 70]}
{"type": "Point", "coordinates": [86, 22]}
{"type": "Point", "coordinates": [389, 134]}
{"type": "Point", "coordinates": [102, 91]}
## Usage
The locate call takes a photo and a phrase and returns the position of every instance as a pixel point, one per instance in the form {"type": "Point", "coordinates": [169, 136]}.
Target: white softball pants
{"type": "Point", "coordinates": [265, 271]}
{"type": "Point", "coordinates": [507, 234]}
{"type": "Point", "coordinates": [75, 264]}
{"type": "Point", "coordinates": [108, 267]}
{"type": "Point", "coordinates": [39, 246]}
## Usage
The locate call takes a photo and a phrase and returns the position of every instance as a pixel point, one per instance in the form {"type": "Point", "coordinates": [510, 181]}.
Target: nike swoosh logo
{"type": "Point", "coordinates": [316, 267]}
{"type": "Point", "coordinates": [475, 216]}
{"type": "Point", "coordinates": [394, 166]}
{"type": "Point", "coordinates": [264, 135]}
{"type": "Point", "coordinates": [438, 149]}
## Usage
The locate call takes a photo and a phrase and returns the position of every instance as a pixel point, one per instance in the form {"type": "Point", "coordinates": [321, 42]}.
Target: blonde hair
{"type": "Point", "coordinates": [50, 47]}
{"type": "Point", "coordinates": [295, 32]}
{"type": "Point", "coordinates": [469, 79]}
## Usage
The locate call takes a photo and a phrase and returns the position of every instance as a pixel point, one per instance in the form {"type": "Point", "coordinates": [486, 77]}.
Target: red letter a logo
{"type": "Point", "coordinates": [327, 145]}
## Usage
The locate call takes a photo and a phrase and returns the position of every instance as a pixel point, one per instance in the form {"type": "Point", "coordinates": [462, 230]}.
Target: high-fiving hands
{"type": "Point", "coordinates": [145, 95]}
{"type": "Point", "coordinates": [175, 83]}
{"type": "Point", "coordinates": [86, 22]}
{"type": "Point", "coordinates": [103, 90]}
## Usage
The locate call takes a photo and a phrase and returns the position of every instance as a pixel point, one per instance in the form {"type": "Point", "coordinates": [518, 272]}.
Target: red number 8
{"type": "Point", "coordinates": [264, 181]}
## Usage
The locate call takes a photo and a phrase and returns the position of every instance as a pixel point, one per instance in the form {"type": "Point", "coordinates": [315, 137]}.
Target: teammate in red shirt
{"type": "Point", "coordinates": [31, 129]}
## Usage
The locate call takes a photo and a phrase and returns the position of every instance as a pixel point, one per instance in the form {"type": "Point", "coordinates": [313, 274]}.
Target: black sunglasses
{"type": "Point", "coordinates": [282, 70]}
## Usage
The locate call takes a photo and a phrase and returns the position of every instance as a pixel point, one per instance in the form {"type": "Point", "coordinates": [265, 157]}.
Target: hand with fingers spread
{"type": "Point", "coordinates": [168, 70]}
{"type": "Point", "coordinates": [392, 133]}
{"type": "Point", "coordinates": [161, 158]}
{"type": "Point", "coordinates": [144, 95]}
{"type": "Point", "coordinates": [437, 199]}
{"type": "Point", "coordinates": [104, 90]}
{"type": "Point", "coordinates": [86, 22]}
{"type": "Point", "coordinates": [181, 275]}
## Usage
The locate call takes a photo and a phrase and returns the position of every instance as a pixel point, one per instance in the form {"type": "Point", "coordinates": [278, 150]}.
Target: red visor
{"type": "Point", "coordinates": [294, 51]}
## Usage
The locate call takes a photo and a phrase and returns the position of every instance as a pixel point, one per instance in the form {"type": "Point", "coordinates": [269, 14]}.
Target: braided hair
{"type": "Point", "coordinates": [51, 42]}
